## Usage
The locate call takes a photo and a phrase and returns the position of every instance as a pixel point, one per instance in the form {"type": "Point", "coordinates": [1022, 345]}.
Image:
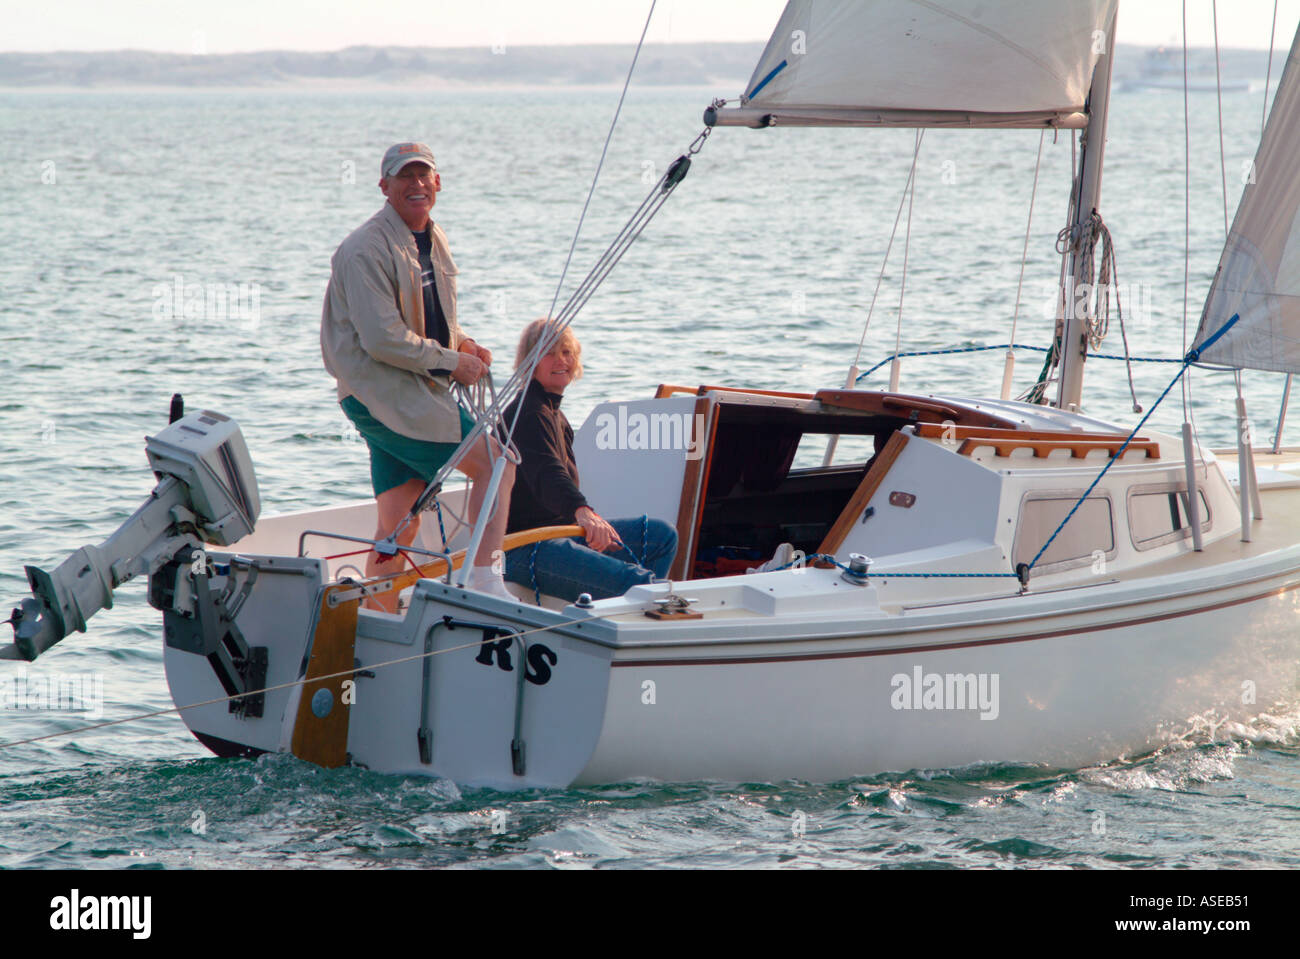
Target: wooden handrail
{"type": "Point", "coordinates": [899, 405]}
{"type": "Point", "coordinates": [665, 390]}
{"type": "Point", "coordinates": [937, 431]}
{"type": "Point", "coordinates": [438, 567]}
{"type": "Point", "coordinates": [1003, 446]}
{"type": "Point", "coordinates": [736, 389]}
{"type": "Point", "coordinates": [898, 402]}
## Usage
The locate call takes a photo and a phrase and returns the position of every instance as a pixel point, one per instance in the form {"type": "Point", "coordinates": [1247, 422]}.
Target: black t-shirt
{"type": "Point", "coordinates": [435, 322]}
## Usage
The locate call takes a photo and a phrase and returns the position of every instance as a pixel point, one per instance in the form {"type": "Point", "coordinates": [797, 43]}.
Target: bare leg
{"type": "Point", "coordinates": [394, 505]}
{"type": "Point", "coordinates": [478, 467]}
{"type": "Point", "coordinates": [392, 508]}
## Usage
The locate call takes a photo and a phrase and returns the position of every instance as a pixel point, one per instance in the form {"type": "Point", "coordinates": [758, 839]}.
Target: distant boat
{"type": "Point", "coordinates": [1162, 69]}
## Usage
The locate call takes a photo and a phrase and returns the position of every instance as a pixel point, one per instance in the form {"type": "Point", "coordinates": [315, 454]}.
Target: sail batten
{"type": "Point", "coordinates": [1258, 277]}
{"type": "Point", "coordinates": [844, 62]}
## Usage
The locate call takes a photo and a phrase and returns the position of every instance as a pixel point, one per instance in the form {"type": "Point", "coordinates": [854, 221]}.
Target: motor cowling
{"type": "Point", "coordinates": [206, 493]}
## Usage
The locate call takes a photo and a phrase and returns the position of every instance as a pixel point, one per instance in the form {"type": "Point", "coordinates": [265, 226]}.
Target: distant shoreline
{"type": "Point", "coordinates": [343, 89]}
{"type": "Point", "coordinates": [721, 66]}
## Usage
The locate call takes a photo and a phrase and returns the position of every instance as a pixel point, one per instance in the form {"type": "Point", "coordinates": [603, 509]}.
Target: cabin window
{"type": "Point", "coordinates": [1088, 536]}
{"type": "Point", "coordinates": [1158, 515]}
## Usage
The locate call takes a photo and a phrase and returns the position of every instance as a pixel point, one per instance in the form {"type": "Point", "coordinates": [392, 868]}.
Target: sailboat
{"type": "Point", "coordinates": [1002, 582]}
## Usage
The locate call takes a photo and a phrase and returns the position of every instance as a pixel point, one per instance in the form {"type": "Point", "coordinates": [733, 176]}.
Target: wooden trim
{"type": "Point", "coordinates": [857, 504]}
{"type": "Point", "coordinates": [736, 389]}
{"type": "Point", "coordinates": [324, 740]}
{"type": "Point", "coordinates": [904, 406]}
{"type": "Point", "coordinates": [666, 390]}
{"type": "Point", "coordinates": [937, 431]}
{"type": "Point", "coordinates": [695, 484]}
{"type": "Point", "coordinates": [438, 567]}
{"type": "Point", "coordinates": [1042, 448]}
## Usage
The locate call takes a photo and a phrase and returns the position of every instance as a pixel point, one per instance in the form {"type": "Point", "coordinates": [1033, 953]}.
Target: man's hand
{"type": "Point", "coordinates": [469, 369]}
{"type": "Point", "coordinates": [600, 535]}
{"type": "Point", "coordinates": [473, 349]}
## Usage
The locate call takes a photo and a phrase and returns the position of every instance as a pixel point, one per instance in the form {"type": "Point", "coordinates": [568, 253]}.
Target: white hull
{"type": "Point", "coordinates": [789, 675]}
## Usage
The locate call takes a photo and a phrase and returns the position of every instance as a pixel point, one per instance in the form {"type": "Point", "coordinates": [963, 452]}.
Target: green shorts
{"type": "Point", "coordinates": [396, 459]}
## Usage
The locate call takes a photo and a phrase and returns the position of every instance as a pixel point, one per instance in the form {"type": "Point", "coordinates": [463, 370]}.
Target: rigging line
{"type": "Point", "coordinates": [1036, 394]}
{"type": "Point", "coordinates": [305, 680]}
{"type": "Point", "coordinates": [665, 188]}
{"type": "Point", "coordinates": [1024, 569]}
{"type": "Point", "coordinates": [1218, 90]}
{"type": "Point", "coordinates": [888, 247]}
{"type": "Point", "coordinates": [1263, 122]}
{"type": "Point", "coordinates": [1187, 361]}
{"type": "Point", "coordinates": [1272, 39]}
{"type": "Point", "coordinates": [1024, 254]}
{"type": "Point", "coordinates": [907, 246]}
{"type": "Point", "coordinates": [1187, 204]}
{"type": "Point", "coordinates": [649, 207]}
{"type": "Point", "coordinates": [599, 166]}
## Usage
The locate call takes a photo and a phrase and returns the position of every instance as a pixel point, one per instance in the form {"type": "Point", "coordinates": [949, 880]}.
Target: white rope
{"type": "Point", "coordinates": [1272, 39]}
{"type": "Point", "coordinates": [1218, 89]}
{"type": "Point", "coordinates": [604, 151]}
{"type": "Point", "coordinates": [1187, 209]}
{"type": "Point", "coordinates": [1024, 254]}
{"type": "Point", "coordinates": [907, 246]}
{"type": "Point", "coordinates": [911, 174]}
{"type": "Point", "coordinates": [520, 378]}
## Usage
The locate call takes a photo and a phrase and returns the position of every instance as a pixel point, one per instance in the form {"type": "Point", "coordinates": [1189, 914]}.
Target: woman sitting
{"type": "Point", "coordinates": [612, 556]}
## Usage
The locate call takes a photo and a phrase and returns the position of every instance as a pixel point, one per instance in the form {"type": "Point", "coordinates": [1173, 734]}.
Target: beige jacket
{"type": "Point", "coordinates": [372, 328]}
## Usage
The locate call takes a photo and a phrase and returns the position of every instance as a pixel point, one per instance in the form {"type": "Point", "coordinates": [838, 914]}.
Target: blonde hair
{"type": "Point", "coordinates": [535, 331]}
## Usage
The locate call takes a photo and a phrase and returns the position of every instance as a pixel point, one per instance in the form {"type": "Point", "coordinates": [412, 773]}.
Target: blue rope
{"type": "Point", "coordinates": [1189, 360]}
{"type": "Point", "coordinates": [1113, 460]}
{"type": "Point", "coordinates": [645, 543]}
{"type": "Point", "coordinates": [1023, 570]}
{"type": "Point", "coordinates": [532, 573]}
{"type": "Point", "coordinates": [442, 530]}
{"type": "Point", "coordinates": [1017, 346]}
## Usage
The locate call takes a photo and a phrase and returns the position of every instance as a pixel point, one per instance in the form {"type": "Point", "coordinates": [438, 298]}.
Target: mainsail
{"type": "Point", "coordinates": [1015, 63]}
{"type": "Point", "coordinates": [1258, 279]}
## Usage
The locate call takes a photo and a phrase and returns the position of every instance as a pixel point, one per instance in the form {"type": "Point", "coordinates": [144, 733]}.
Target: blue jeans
{"type": "Point", "coordinates": [565, 568]}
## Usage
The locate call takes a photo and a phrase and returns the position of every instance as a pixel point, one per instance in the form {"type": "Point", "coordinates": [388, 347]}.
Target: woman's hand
{"type": "Point", "coordinates": [600, 535]}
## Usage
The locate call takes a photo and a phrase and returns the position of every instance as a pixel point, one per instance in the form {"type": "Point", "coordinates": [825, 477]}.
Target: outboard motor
{"type": "Point", "coordinates": [206, 493]}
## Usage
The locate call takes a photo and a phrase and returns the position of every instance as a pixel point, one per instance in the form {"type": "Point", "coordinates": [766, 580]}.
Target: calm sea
{"type": "Point", "coordinates": [117, 209]}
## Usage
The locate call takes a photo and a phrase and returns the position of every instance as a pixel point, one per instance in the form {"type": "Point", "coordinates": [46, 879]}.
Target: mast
{"type": "Point", "coordinates": [1072, 320]}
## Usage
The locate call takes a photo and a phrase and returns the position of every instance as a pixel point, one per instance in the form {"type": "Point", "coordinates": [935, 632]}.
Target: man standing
{"type": "Point", "coordinates": [390, 337]}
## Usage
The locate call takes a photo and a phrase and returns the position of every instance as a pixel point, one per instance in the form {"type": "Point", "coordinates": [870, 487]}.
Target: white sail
{"type": "Point", "coordinates": [928, 62]}
{"type": "Point", "coordinates": [1258, 279]}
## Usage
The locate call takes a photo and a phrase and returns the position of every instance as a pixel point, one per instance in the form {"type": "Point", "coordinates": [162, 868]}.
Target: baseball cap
{"type": "Point", "coordinates": [400, 154]}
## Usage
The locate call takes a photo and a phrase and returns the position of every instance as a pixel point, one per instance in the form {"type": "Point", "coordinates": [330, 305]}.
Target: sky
{"type": "Point", "coordinates": [230, 26]}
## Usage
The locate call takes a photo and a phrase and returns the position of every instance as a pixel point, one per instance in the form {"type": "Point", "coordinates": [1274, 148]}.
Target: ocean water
{"type": "Point", "coordinates": [119, 208]}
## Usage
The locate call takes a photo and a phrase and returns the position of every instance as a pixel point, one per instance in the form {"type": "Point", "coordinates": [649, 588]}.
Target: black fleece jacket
{"type": "Point", "coordinates": [546, 489]}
